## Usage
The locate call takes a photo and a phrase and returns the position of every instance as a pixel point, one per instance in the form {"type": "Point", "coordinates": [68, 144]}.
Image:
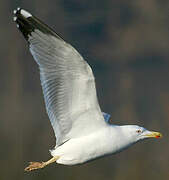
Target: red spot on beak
{"type": "Point", "coordinates": [157, 137]}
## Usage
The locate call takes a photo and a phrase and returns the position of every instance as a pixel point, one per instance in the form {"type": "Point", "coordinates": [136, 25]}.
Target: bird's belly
{"type": "Point", "coordinates": [83, 149]}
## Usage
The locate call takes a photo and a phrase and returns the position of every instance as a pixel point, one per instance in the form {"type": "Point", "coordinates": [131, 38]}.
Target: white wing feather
{"type": "Point", "coordinates": [68, 87]}
{"type": "Point", "coordinates": [67, 80]}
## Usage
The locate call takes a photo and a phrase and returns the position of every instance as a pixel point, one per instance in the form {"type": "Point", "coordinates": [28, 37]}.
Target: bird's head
{"type": "Point", "coordinates": [137, 133]}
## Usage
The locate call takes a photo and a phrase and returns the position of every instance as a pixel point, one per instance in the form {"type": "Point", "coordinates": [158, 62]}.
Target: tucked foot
{"type": "Point", "coordinates": [35, 165]}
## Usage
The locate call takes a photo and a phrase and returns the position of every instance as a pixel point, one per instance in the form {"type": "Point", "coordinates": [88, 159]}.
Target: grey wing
{"type": "Point", "coordinates": [67, 80]}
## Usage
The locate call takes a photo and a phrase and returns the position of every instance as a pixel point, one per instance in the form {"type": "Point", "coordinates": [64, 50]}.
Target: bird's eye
{"type": "Point", "coordinates": [138, 131]}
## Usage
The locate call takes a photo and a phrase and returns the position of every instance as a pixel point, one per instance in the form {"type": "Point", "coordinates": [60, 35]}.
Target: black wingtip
{"type": "Point", "coordinates": [21, 19]}
{"type": "Point", "coordinates": [27, 23]}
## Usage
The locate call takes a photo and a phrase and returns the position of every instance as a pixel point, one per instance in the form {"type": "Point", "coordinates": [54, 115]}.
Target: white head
{"type": "Point", "coordinates": [126, 135]}
{"type": "Point", "coordinates": [136, 133]}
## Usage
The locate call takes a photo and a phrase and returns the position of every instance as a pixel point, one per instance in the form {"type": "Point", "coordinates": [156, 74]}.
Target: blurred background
{"type": "Point", "coordinates": [127, 45]}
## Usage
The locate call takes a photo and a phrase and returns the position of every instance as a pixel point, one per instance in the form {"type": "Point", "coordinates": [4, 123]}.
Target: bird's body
{"type": "Point", "coordinates": [82, 131]}
{"type": "Point", "coordinates": [82, 149]}
{"type": "Point", "coordinates": [102, 142]}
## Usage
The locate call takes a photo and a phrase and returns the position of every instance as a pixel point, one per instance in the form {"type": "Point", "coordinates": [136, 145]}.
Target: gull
{"type": "Point", "coordinates": [83, 132]}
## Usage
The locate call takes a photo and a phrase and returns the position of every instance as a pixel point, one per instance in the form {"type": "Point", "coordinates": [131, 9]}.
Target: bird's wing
{"type": "Point", "coordinates": [106, 117]}
{"type": "Point", "coordinates": [67, 80]}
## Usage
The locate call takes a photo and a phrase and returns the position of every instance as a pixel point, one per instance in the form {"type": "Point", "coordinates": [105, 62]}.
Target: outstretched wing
{"type": "Point", "coordinates": [67, 80]}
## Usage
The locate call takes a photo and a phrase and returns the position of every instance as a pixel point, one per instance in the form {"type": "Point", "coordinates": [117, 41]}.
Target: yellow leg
{"type": "Point", "coordinates": [38, 165]}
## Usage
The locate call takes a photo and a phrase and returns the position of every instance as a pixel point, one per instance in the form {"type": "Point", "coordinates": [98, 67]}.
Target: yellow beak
{"type": "Point", "coordinates": [153, 134]}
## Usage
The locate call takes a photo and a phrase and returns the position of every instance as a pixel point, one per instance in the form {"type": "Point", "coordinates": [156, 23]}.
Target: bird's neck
{"type": "Point", "coordinates": [120, 140]}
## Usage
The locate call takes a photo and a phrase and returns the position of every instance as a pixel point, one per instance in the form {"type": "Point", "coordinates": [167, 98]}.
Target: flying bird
{"type": "Point", "coordinates": [82, 130]}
